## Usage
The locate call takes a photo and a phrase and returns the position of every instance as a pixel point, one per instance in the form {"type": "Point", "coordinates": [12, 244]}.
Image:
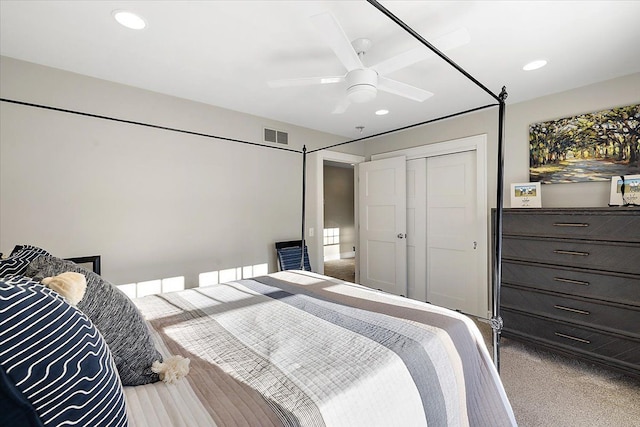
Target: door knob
{"type": "Point", "coordinates": [401, 236]}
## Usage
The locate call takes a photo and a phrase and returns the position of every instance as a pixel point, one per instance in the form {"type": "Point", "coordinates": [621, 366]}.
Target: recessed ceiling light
{"type": "Point", "coordinates": [534, 65]}
{"type": "Point", "coordinates": [129, 19]}
{"type": "Point", "coordinates": [382, 112]}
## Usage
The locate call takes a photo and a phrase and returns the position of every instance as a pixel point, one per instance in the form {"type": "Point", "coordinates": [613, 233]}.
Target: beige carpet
{"type": "Point", "coordinates": [344, 269]}
{"type": "Point", "coordinates": [548, 390]}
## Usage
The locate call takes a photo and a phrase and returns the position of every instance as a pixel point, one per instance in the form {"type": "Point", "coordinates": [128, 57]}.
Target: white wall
{"type": "Point", "coordinates": [153, 203]}
{"type": "Point", "coordinates": [157, 204]}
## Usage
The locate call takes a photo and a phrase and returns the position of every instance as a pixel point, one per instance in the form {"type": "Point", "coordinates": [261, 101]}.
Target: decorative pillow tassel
{"type": "Point", "coordinates": [172, 369]}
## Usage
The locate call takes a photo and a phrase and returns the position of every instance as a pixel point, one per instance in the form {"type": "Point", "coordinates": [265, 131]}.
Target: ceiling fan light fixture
{"type": "Point", "coordinates": [361, 93]}
{"type": "Point", "coordinates": [362, 85]}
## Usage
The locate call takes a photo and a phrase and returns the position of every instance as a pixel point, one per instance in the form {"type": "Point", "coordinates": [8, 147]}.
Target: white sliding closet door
{"type": "Point", "coordinates": [452, 227]}
{"type": "Point", "coordinates": [452, 269]}
{"type": "Point", "coordinates": [417, 229]}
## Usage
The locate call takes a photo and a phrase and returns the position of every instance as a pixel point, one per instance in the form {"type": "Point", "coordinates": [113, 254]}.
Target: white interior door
{"type": "Point", "coordinates": [382, 207]}
{"type": "Point", "coordinates": [417, 229]}
{"type": "Point", "coordinates": [452, 270]}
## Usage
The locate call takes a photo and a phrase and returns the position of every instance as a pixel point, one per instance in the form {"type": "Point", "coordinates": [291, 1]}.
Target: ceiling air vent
{"type": "Point", "coordinates": [276, 136]}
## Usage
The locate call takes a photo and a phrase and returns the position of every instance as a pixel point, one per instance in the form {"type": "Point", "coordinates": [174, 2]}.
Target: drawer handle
{"type": "Point", "coordinates": [569, 337]}
{"type": "Point", "coordinates": [574, 282]}
{"type": "Point", "coordinates": [570, 224]}
{"type": "Point", "coordinates": [573, 310]}
{"type": "Point", "coordinates": [563, 252]}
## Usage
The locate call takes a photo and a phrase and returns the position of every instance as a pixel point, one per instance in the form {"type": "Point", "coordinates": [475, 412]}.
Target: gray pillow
{"type": "Point", "coordinates": [116, 317]}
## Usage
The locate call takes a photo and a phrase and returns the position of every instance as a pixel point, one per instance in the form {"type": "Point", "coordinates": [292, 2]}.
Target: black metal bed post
{"type": "Point", "coordinates": [431, 47]}
{"type": "Point", "coordinates": [304, 194]}
{"type": "Point", "coordinates": [496, 319]}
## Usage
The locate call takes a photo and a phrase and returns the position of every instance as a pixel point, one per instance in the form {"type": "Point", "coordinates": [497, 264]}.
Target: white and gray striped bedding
{"type": "Point", "coordinates": [297, 348]}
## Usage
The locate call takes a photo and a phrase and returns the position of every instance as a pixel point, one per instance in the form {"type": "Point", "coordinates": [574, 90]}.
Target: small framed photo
{"type": "Point", "coordinates": [625, 190]}
{"type": "Point", "coordinates": [526, 195]}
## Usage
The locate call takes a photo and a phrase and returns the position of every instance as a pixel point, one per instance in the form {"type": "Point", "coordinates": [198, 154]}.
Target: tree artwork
{"type": "Point", "coordinates": [588, 147]}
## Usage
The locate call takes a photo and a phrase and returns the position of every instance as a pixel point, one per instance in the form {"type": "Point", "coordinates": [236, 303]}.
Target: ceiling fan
{"type": "Point", "coordinates": [363, 82]}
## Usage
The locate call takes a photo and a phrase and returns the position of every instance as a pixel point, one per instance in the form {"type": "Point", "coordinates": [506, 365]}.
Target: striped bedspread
{"type": "Point", "coordinates": [297, 348]}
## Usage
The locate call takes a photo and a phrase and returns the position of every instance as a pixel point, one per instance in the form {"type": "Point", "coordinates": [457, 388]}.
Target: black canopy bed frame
{"type": "Point", "coordinates": [496, 321]}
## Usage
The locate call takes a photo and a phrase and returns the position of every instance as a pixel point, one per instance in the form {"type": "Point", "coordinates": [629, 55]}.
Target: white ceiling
{"type": "Point", "coordinates": [224, 52]}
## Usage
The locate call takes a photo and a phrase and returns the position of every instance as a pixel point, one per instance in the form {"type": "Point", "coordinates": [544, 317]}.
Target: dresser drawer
{"type": "Point", "coordinates": [619, 257]}
{"type": "Point", "coordinates": [624, 289]}
{"type": "Point", "coordinates": [611, 226]}
{"type": "Point", "coordinates": [597, 345]}
{"type": "Point", "coordinates": [614, 319]}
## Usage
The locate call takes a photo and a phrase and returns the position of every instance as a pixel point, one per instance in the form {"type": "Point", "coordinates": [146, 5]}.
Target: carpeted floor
{"type": "Point", "coordinates": [344, 269]}
{"type": "Point", "coordinates": [548, 390]}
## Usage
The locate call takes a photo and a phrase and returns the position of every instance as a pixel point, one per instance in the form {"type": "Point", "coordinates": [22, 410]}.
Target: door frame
{"type": "Point", "coordinates": [470, 143]}
{"type": "Point", "coordinates": [319, 159]}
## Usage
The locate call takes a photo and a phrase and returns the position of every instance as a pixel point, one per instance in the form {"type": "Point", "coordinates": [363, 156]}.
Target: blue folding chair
{"type": "Point", "coordinates": [290, 256]}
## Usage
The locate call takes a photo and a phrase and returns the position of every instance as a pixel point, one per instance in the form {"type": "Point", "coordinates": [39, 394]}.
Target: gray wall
{"type": "Point", "coordinates": [154, 203]}
{"type": "Point", "coordinates": [339, 205]}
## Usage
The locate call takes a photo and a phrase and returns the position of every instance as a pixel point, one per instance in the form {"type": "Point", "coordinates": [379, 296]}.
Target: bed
{"type": "Point", "coordinates": [298, 348]}
{"type": "Point", "coordinates": [285, 349]}
{"type": "Point", "coordinates": [289, 348]}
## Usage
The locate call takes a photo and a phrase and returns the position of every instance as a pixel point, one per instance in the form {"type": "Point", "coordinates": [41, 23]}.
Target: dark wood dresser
{"type": "Point", "coordinates": [571, 282]}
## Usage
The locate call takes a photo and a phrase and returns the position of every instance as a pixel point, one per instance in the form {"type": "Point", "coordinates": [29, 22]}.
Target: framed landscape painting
{"type": "Point", "coordinates": [587, 147]}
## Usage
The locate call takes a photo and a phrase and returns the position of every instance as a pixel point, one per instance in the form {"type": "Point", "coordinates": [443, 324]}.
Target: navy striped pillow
{"type": "Point", "coordinates": [56, 358]}
{"type": "Point", "coordinates": [20, 257]}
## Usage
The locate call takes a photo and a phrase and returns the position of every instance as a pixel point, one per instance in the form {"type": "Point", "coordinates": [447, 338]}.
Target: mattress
{"type": "Point", "coordinates": [297, 348]}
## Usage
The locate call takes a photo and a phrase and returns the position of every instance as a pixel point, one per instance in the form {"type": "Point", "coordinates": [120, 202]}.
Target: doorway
{"type": "Point", "coordinates": [339, 235]}
{"type": "Point", "coordinates": [316, 199]}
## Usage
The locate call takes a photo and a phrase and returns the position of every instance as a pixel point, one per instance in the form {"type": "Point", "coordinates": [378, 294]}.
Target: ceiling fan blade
{"type": "Point", "coordinates": [305, 81]}
{"type": "Point", "coordinates": [420, 53]}
{"type": "Point", "coordinates": [342, 106]}
{"type": "Point", "coordinates": [337, 40]}
{"type": "Point", "coordinates": [403, 89]}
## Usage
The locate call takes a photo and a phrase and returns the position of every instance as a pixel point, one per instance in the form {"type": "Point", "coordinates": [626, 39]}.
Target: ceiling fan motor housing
{"type": "Point", "coordinates": [362, 85]}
